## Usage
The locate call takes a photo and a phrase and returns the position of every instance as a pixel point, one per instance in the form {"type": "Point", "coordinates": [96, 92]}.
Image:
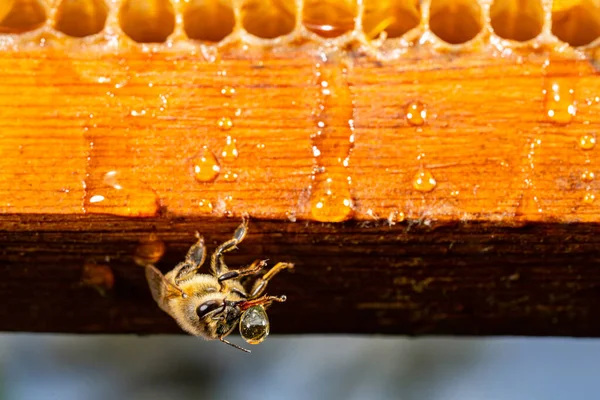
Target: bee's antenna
{"type": "Point", "coordinates": [234, 345]}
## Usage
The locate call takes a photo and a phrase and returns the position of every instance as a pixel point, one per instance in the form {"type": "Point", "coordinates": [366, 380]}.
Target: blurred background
{"type": "Point", "coordinates": [310, 367]}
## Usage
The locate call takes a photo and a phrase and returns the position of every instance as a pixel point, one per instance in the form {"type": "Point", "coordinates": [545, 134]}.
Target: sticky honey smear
{"type": "Point", "coordinates": [455, 21]}
{"type": "Point", "coordinates": [80, 18]}
{"type": "Point", "coordinates": [18, 16]}
{"type": "Point", "coordinates": [147, 21]}
{"type": "Point", "coordinates": [329, 18]}
{"type": "Point", "coordinates": [394, 17]}
{"type": "Point", "coordinates": [269, 19]}
{"type": "Point", "coordinates": [519, 20]}
{"type": "Point", "coordinates": [208, 20]}
{"type": "Point", "coordinates": [576, 22]}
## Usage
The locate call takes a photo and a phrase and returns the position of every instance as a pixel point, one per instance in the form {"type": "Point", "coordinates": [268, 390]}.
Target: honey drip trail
{"type": "Point", "coordinates": [332, 143]}
{"type": "Point", "coordinates": [111, 185]}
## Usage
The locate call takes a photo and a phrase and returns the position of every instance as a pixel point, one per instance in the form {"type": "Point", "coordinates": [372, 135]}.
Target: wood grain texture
{"type": "Point", "coordinates": [503, 244]}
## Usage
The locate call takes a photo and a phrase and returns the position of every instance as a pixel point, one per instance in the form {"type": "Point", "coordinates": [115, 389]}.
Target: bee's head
{"type": "Point", "coordinates": [219, 316]}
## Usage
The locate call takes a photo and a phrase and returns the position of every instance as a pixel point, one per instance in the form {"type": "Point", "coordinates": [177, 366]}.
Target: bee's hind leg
{"type": "Point", "coordinates": [251, 269]}
{"type": "Point", "coordinates": [261, 284]}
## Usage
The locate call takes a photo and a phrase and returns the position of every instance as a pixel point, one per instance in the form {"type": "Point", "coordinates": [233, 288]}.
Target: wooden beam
{"type": "Point", "coordinates": [357, 277]}
{"type": "Point", "coordinates": [419, 188]}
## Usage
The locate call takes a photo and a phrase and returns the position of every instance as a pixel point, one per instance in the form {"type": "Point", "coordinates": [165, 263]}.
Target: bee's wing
{"type": "Point", "coordinates": [160, 288]}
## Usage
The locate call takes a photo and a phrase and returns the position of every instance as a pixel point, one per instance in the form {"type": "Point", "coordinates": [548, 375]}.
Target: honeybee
{"type": "Point", "coordinates": [211, 305]}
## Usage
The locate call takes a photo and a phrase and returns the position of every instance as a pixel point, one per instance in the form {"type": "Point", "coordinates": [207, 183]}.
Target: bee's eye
{"type": "Point", "coordinates": [207, 307]}
{"type": "Point", "coordinates": [254, 325]}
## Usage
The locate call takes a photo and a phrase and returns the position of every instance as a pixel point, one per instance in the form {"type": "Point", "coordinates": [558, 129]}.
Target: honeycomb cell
{"type": "Point", "coordinates": [519, 20]}
{"type": "Point", "coordinates": [80, 18]}
{"type": "Point", "coordinates": [18, 16]}
{"type": "Point", "coordinates": [395, 17]}
{"type": "Point", "coordinates": [208, 20]}
{"type": "Point", "coordinates": [269, 19]}
{"type": "Point", "coordinates": [147, 21]}
{"type": "Point", "coordinates": [329, 18]}
{"type": "Point", "coordinates": [455, 21]}
{"type": "Point", "coordinates": [576, 22]}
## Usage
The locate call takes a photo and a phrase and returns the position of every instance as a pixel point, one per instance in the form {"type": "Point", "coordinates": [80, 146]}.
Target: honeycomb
{"type": "Point", "coordinates": [377, 24]}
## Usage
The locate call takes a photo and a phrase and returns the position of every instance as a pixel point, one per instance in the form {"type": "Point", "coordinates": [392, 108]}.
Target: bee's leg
{"type": "Point", "coordinates": [222, 339]}
{"type": "Point", "coordinates": [252, 269]}
{"type": "Point", "coordinates": [217, 264]}
{"type": "Point", "coordinates": [261, 301]}
{"type": "Point", "coordinates": [193, 260]}
{"type": "Point", "coordinates": [261, 284]}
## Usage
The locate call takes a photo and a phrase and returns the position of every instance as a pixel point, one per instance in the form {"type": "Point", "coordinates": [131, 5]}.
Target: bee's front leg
{"type": "Point", "coordinates": [193, 261]}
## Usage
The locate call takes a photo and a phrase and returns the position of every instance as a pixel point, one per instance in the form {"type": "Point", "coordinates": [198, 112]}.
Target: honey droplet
{"type": "Point", "coordinates": [205, 165]}
{"type": "Point", "coordinates": [416, 113]}
{"type": "Point", "coordinates": [395, 217]}
{"type": "Point", "coordinates": [98, 277]}
{"type": "Point", "coordinates": [589, 198]}
{"type": "Point", "coordinates": [587, 142]}
{"type": "Point", "coordinates": [331, 202]}
{"type": "Point", "coordinates": [111, 179]}
{"type": "Point", "coordinates": [225, 123]}
{"type": "Point", "coordinates": [230, 151]}
{"type": "Point", "coordinates": [119, 194]}
{"type": "Point", "coordinates": [587, 176]}
{"type": "Point", "coordinates": [227, 91]}
{"type": "Point", "coordinates": [230, 176]}
{"type": "Point", "coordinates": [559, 103]}
{"type": "Point", "coordinates": [149, 251]}
{"type": "Point", "coordinates": [424, 181]}
{"type": "Point", "coordinates": [205, 206]}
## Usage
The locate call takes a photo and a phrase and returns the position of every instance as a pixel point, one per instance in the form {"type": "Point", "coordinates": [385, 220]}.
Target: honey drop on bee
{"type": "Point", "coordinates": [205, 165]}
{"type": "Point", "coordinates": [254, 325]}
